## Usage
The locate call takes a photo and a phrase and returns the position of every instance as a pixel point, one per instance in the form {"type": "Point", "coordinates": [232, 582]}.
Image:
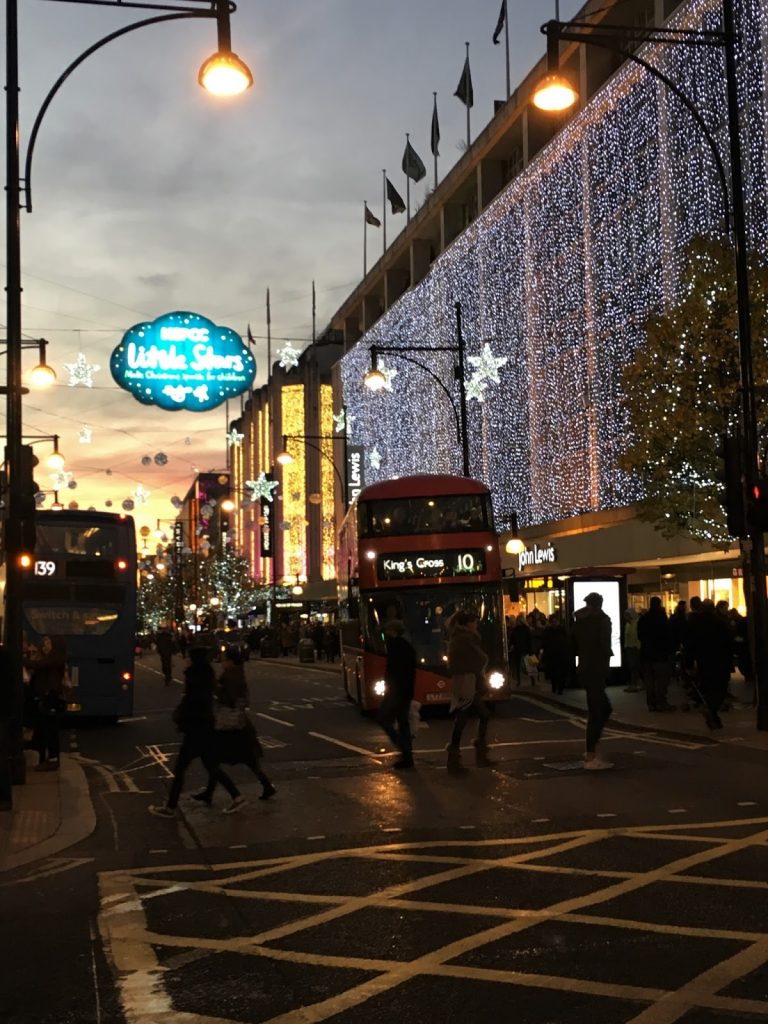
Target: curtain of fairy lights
{"type": "Point", "coordinates": [556, 279]}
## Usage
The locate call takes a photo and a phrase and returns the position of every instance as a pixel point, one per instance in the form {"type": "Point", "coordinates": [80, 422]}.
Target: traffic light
{"type": "Point", "coordinates": [758, 506]}
{"type": "Point", "coordinates": [28, 490]}
{"type": "Point", "coordinates": [731, 493]}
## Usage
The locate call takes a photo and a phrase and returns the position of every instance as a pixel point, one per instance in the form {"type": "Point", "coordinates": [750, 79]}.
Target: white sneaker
{"type": "Point", "coordinates": [597, 765]}
{"type": "Point", "coordinates": [237, 804]}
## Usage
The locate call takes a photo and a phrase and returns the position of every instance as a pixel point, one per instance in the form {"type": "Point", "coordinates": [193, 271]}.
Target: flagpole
{"type": "Point", "coordinates": [314, 315]}
{"type": "Point", "coordinates": [384, 206]}
{"type": "Point", "coordinates": [407, 186]}
{"type": "Point", "coordinates": [365, 238]}
{"type": "Point", "coordinates": [506, 40]}
{"type": "Point", "coordinates": [466, 104]}
{"type": "Point", "coordinates": [434, 151]}
{"type": "Point", "coordinates": [269, 338]}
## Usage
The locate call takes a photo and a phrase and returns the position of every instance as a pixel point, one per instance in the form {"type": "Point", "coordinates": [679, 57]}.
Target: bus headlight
{"type": "Point", "coordinates": [496, 680]}
{"type": "Point", "coordinates": [380, 688]}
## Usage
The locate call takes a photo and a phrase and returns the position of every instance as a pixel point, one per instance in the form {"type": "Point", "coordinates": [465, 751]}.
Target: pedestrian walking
{"type": "Point", "coordinates": [655, 655]}
{"type": "Point", "coordinates": [236, 740]}
{"type": "Point", "coordinates": [47, 684]}
{"type": "Point", "coordinates": [556, 653]}
{"type": "Point", "coordinates": [592, 637]}
{"type": "Point", "coordinates": [164, 646]}
{"type": "Point", "coordinates": [399, 675]}
{"type": "Point", "coordinates": [712, 647]}
{"type": "Point", "coordinates": [632, 652]}
{"type": "Point", "coordinates": [194, 720]}
{"type": "Point", "coordinates": [466, 663]}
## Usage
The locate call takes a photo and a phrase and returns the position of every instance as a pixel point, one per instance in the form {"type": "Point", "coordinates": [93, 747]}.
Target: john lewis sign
{"type": "Point", "coordinates": [536, 556]}
{"type": "Point", "coordinates": [182, 361]}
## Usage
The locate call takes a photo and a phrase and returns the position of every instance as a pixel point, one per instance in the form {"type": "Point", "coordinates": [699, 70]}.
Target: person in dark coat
{"type": "Point", "coordinates": [655, 655]}
{"type": "Point", "coordinates": [399, 675]}
{"type": "Point", "coordinates": [194, 719]}
{"type": "Point", "coordinates": [48, 669]}
{"type": "Point", "coordinates": [712, 644]}
{"type": "Point", "coordinates": [522, 639]}
{"type": "Point", "coordinates": [467, 662]}
{"type": "Point", "coordinates": [556, 653]}
{"type": "Point", "coordinates": [592, 639]}
{"type": "Point", "coordinates": [164, 645]}
{"type": "Point", "coordinates": [236, 746]}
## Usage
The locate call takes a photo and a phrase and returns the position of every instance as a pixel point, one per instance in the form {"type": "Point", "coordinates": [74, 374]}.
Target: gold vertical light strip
{"type": "Point", "coordinates": [251, 531]}
{"type": "Point", "coordinates": [327, 485]}
{"type": "Point", "coordinates": [293, 525]}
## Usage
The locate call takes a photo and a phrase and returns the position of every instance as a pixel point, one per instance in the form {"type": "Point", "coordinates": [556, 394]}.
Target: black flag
{"type": "Point", "coordinates": [464, 90]}
{"type": "Point", "coordinates": [251, 338]}
{"type": "Point", "coordinates": [371, 218]}
{"type": "Point", "coordinates": [435, 133]}
{"type": "Point", "coordinates": [501, 22]}
{"type": "Point", "coordinates": [395, 199]}
{"type": "Point", "coordinates": [412, 164]}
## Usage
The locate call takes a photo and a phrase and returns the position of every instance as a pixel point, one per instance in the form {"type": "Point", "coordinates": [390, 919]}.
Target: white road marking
{"type": "Point", "coordinates": [747, 803]}
{"type": "Point", "coordinates": [346, 746]}
{"type": "Point", "coordinates": [677, 810]}
{"type": "Point", "coordinates": [315, 837]}
{"type": "Point", "coordinates": [135, 718]}
{"type": "Point", "coordinates": [158, 851]}
{"type": "Point", "coordinates": [606, 815]}
{"type": "Point", "coordinates": [94, 972]}
{"type": "Point", "coordinates": [280, 721]}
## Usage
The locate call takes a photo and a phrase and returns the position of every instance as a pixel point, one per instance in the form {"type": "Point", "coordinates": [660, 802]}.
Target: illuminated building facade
{"type": "Point", "coordinates": [558, 240]}
{"type": "Point", "coordinates": [296, 403]}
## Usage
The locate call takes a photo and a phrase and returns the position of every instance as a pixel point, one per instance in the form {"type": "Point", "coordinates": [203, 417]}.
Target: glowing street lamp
{"type": "Point", "coordinates": [42, 376]}
{"type": "Point", "coordinates": [55, 460]}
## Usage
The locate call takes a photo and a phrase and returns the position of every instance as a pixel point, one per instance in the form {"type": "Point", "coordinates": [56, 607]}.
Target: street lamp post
{"type": "Point", "coordinates": [375, 379]}
{"type": "Point", "coordinates": [222, 74]}
{"type": "Point", "coordinates": [621, 38]}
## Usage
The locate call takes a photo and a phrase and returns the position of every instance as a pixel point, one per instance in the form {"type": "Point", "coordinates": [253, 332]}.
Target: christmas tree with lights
{"type": "Point", "coordinates": [682, 394]}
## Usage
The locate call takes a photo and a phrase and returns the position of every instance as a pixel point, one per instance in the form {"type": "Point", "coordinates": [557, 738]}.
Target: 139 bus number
{"type": "Point", "coordinates": [45, 568]}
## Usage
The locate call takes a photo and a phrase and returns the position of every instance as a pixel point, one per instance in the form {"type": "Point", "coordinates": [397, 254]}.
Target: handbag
{"type": "Point", "coordinates": [227, 719]}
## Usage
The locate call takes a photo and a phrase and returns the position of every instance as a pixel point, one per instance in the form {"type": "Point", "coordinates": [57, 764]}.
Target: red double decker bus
{"type": "Point", "coordinates": [417, 549]}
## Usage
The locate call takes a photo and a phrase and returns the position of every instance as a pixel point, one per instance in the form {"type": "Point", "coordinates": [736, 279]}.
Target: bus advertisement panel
{"type": "Point", "coordinates": [82, 588]}
{"type": "Point", "coordinates": [418, 549]}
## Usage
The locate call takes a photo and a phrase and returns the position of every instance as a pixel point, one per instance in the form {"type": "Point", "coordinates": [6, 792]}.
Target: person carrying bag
{"type": "Point", "coordinates": [236, 741]}
{"type": "Point", "coordinates": [467, 662]}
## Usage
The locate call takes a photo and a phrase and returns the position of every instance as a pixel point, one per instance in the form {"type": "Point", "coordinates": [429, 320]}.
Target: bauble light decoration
{"type": "Point", "coordinates": [128, 505]}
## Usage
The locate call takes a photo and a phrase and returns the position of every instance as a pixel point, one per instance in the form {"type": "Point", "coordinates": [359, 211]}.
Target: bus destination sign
{"type": "Point", "coordinates": [412, 565]}
{"type": "Point", "coordinates": [182, 361]}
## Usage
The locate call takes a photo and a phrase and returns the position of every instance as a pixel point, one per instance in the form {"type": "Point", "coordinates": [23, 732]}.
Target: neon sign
{"type": "Point", "coordinates": [182, 361]}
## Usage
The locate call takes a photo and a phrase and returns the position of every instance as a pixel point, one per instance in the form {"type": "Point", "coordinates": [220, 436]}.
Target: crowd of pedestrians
{"type": "Point", "coordinates": [698, 646]}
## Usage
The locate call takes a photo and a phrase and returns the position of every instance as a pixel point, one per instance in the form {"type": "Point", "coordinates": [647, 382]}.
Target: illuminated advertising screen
{"type": "Point", "coordinates": [611, 594]}
{"type": "Point", "coordinates": [182, 361]}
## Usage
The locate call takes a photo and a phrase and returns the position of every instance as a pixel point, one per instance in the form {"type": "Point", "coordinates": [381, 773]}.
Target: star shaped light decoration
{"type": "Point", "coordinates": [60, 479]}
{"type": "Point", "coordinates": [340, 421]}
{"type": "Point", "coordinates": [81, 371]}
{"type": "Point", "coordinates": [289, 356]}
{"type": "Point", "coordinates": [375, 459]}
{"type": "Point", "coordinates": [389, 373]}
{"type": "Point", "coordinates": [487, 365]}
{"type": "Point", "coordinates": [475, 387]}
{"type": "Point", "coordinates": [234, 438]}
{"type": "Point", "coordinates": [261, 488]}
{"type": "Point", "coordinates": [86, 434]}
{"type": "Point", "coordinates": [140, 496]}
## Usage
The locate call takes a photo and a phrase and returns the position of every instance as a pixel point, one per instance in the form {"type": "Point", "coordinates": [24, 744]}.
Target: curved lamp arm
{"type": "Point", "coordinates": [317, 448]}
{"type": "Point", "coordinates": [27, 187]}
{"type": "Point", "coordinates": [432, 374]}
{"type": "Point", "coordinates": [586, 40]}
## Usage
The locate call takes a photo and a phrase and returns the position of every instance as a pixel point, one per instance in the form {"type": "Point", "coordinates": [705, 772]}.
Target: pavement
{"type": "Point", "coordinates": [51, 812]}
{"type": "Point", "coordinates": [54, 810]}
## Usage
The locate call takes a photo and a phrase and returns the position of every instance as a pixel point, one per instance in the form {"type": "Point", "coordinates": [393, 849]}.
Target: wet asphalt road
{"type": "Point", "coordinates": [361, 894]}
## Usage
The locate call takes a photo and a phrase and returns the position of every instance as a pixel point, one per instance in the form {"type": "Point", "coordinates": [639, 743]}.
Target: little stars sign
{"type": "Point", "coordinates": [182, 361]}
